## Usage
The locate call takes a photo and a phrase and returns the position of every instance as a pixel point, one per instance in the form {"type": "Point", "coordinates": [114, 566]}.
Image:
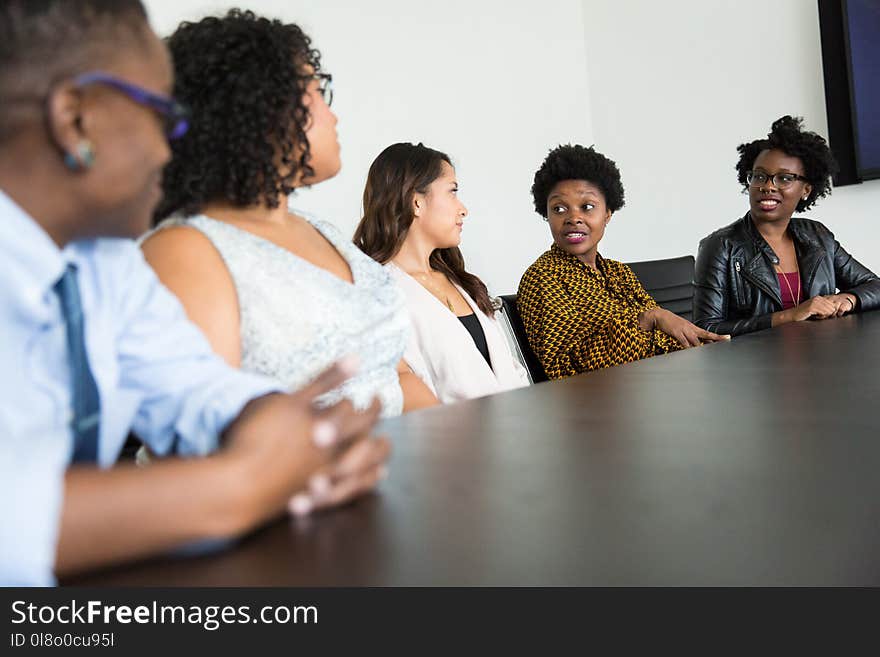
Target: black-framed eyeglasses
{"type": "Point", "coordinates": [175, 115]}
{"type": "Point", "coordinates": [778, 180]}
{"type": "Point", "coordinates": [325, 86]}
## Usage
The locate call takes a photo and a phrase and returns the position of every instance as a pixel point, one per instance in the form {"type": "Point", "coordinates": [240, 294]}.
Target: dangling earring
{"type": "Point", "coordinates": [84, 157]}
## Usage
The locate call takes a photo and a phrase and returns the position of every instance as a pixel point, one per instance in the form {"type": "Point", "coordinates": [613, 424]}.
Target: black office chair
{"type": "Point", "coordinates": [670, 282]}
{"type": "Point", "coordinates": [527, 357]}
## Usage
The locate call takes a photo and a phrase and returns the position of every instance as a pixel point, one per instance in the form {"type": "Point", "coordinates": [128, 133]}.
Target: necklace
{"type": "Point", "coordinates": [788, 285]}
{"type": "Point", "coordinates": [426, 283]}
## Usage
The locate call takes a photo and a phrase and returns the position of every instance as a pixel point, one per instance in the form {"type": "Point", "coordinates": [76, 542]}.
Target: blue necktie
{"type": "Point", "coordinates": [86, 403]}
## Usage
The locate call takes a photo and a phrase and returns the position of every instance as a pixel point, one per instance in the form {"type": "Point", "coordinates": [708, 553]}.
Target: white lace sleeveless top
{"type": "Point", "coordinates": [296, 319]}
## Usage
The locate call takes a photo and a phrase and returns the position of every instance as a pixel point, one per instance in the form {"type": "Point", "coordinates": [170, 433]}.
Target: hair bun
{"type": "Point", "coordinates": [787, 123]}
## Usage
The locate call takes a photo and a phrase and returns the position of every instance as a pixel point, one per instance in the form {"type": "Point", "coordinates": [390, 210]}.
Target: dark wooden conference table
{"type": "Point", "coordinates": [754, 462]}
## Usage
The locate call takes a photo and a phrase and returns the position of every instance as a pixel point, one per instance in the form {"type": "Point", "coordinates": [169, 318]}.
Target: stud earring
{"type": "Point", "coordinates": [84, 157]}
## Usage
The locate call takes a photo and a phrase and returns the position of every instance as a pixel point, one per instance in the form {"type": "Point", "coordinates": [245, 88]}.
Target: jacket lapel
{"type": "Point", "coordinates": [810, 255]}
{"type": "Point", "coordinates": [758, 270]}
{"type": "Point", "coordinates": [759, 273]}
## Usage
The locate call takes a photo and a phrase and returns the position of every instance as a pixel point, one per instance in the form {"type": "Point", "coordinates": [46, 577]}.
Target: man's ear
{"type": "Point", "coordinates": [64, 109]}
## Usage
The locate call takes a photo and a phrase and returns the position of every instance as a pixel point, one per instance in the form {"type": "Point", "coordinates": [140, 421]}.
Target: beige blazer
{"type": "Point", "coordinates": [442, 353]}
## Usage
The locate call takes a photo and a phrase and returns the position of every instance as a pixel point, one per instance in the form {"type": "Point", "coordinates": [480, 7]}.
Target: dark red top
{"type": "Point", "coordinates": [790, 291]}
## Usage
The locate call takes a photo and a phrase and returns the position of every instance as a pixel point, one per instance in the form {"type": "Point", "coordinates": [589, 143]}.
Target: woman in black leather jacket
{"type": "Point", "coordinates": [769, 268]}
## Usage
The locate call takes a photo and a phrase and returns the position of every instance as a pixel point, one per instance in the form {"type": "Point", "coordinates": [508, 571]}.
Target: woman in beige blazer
{"type": "Point", "coordinates": [412, 224]}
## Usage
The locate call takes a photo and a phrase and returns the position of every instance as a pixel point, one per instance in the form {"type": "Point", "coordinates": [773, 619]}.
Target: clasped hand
{"type": "Point", "coordinates": [296, 455]}
{"type": "Point", "coordinates": [823, 307]}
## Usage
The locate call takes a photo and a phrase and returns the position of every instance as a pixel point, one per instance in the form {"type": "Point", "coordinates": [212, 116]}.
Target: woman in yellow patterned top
{"type": "Point", "coordinates": [581, 311]}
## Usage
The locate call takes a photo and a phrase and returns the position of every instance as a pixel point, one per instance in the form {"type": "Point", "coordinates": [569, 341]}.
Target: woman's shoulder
{"type": "Point", "coordinates": [545, 263]}
{"type": "Point", "coordinates": [408, 287]}
{"type": "Point", "coordinates": [200, 222]}
{"type": "Point", "coordinates": [538, 278]}
{"type": "Point", "coordinates": [197, 235]}
{"type": "Point", "coordinates": [615, 266]}
{"type": "Point", "coordinates": [178, 236]}
{"type": "Point", "coordinates": [725, 235]}
{"type": "Point", "coordinates": [368, 270]}
{"type": "Point", "coordinates": [396, 273]}
{"type": "Point", "coordinates": [327, 228]}
{"type": "Point", "coordinates": [811, 226]}
{"type": "Point", "coordinates": [188, 262]}
{"type": "Point", "coordinates": [343, 244]}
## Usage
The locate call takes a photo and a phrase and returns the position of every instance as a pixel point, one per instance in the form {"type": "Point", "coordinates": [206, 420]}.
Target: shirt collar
{"type": "Point", "coordinates": [36, 260]}
{"type": "Point", "coordinates": [31, 262]}
{"type": "Point", "coordinates": [558, 252]}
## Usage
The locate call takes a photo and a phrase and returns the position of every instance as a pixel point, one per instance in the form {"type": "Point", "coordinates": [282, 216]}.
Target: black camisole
{"type": "Point", "coordinates": [472, 324]}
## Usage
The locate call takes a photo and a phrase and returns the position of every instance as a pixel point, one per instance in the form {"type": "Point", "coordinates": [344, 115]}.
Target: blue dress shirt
{"type": "Point", "coordinates": [155, 372]}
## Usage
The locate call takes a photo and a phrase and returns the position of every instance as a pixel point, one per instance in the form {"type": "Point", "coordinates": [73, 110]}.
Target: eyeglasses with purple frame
{"type": "Point", "coordinates": [175, 116]}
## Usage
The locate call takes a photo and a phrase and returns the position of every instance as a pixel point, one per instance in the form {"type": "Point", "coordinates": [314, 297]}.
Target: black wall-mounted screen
{"type": "Point", "coordinates": [850, 32]}
{"type": "Point", "coordinates": [862, 23]}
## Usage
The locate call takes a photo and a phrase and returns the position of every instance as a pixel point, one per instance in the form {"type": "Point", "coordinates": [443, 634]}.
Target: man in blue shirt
{"type": "Point", "coordinates": [93, 346]}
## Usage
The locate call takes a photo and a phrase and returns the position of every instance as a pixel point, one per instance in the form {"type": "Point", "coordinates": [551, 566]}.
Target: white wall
{"type": "Point", "coordinates": [493, 83]}
{"type": "Point", "coordinates": [660, 87]}
{"type": "Point", "coordinates": [674, 90]}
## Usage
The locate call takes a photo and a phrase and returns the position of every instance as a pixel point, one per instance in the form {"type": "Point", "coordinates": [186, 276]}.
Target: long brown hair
{"type": "Point", "coordinates": [400, 171]}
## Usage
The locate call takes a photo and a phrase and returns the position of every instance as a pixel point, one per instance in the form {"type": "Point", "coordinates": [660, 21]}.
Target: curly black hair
{"type": "Point", "coordinates": [243, 78]}
{"type": "Point", "coordinates": [788, 136]}
{"type": "Point", "coordinates": [575, 162]}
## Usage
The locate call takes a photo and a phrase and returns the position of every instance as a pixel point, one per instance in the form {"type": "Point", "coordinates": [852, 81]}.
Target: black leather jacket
{"type": "Point", "coordinates": [735, 285]}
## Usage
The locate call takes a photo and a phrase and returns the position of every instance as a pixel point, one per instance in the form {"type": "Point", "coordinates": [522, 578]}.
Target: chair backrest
{"type": "Point", "coordinates": [512, 323]}
{"type": "Point", "coordinates": [670, 282]}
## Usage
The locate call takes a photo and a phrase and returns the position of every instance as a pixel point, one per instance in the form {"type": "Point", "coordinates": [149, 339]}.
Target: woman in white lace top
{"type": "Point", "coordinates": [275, 292]}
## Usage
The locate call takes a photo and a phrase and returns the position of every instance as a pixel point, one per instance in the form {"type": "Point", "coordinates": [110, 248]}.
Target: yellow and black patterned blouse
{"type": "Point", "coordinates": [580, 319]}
